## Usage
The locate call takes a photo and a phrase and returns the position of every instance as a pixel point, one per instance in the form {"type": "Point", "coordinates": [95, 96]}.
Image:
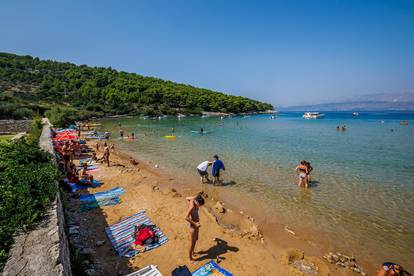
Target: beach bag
{"type": "Point", "coordinates": [181, 271]}
{"type": "Point", "coordinates": [145, 235]}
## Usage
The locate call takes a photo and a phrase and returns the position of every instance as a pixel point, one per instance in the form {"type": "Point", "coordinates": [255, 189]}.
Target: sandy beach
{"type": "Point", "coordinates": [233, 237]}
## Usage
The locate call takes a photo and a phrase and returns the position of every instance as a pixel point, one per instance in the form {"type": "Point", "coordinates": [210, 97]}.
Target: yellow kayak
{"type": "Point", "coordinates": [170, 136]}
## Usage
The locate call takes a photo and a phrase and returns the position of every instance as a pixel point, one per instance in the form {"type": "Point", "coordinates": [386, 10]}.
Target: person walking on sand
{"type": "Point", "coordinates": [193, 218]}
{"type": "Point", "coordinates": [106, 154]}
{"type": "Point", "coordinates": [202, 171]}
{"type": "Point", "coordinates": [302, 171]}
{"type": "Point", "coordinates": [218, 165]}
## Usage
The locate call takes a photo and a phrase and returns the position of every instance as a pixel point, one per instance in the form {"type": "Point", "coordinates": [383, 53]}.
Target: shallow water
{"type": "Point", "coordinates": [362, 199]}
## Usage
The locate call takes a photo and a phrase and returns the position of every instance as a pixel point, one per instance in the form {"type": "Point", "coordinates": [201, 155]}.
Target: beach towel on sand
{"type": "Point", "coordinates": [93, 205]}
{"type": "Point", "coordinates": [112, 193]}
{"type": "Point", "coordinates": [211, 268]}
{"type": "Point", "coordinates": [73, 187]}
{"type": "Point", "coordinates": [122, 234]}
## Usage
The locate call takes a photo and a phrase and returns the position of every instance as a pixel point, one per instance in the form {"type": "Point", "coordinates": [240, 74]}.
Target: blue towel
{"type": "Point", "coordinates": [122, 234]}
{"type": "Point", "coordinates": [92, 205]}
{"type": "Point", "coordinates": [211, 268]}
{"type": "Point", "coordinates": [217, 166]}
{"type": "Point", "coordinates": [115, 192]}
{"type": "Point", "coordinates": [76, 187]}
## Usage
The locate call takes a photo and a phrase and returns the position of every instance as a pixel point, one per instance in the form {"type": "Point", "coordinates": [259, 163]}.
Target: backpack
{"type": "Point", "coordinates": [145, 235]}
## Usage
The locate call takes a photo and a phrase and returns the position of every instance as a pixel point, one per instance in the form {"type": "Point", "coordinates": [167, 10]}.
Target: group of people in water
{"type": "Point", "coordinates": [304, 170]}
{"type": "Point", "coordinates": [217, 166]}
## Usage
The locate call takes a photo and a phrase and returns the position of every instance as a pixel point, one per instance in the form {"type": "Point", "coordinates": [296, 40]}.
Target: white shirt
{"type": "Point", "coordinates": [203, 166]}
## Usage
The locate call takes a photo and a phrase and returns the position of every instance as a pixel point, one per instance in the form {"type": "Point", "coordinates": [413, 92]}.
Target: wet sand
{"type": "Point", "coordinates": [233, 236]}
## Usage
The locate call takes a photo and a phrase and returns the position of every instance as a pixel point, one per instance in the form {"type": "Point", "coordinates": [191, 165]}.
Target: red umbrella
{"type": "Point", "coordinates": [65, 137]}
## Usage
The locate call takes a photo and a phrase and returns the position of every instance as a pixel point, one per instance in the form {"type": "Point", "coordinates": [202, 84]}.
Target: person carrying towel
{"type": "Point", "coordinates": [218, 165]}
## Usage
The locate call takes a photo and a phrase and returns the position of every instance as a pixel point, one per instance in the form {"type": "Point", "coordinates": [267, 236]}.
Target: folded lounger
{"type": "Point", "coordinates": [150, 270]}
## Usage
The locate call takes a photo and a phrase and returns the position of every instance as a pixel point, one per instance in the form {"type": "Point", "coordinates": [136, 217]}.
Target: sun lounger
{"type": "Point", "coordinates": [122, 234]}
{"type": "Point", "coordinates": [112, 193]}
{"type": "Point", "coordinates": [211, 268]}
{"type": "Point", "coordinates": [150, 270]}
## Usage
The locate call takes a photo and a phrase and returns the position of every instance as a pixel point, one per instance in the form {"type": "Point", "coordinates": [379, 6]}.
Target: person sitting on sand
{"type": "Point", "coordinates": [302, 171]}
{"type": "Point", "coordinates": [112, 147]}
{"type": "Point", "coordinates": [72, 174]}
{"type": "Point", "coordinates": [218, 165]}
{"type": "Point", "coordinates": [94, 157]}
{"type": "Point", "coordinates": [83, 175]}
{"type": "Point", "coordinates": [388, 269]}
{"type": "Point", "coordinates": [310, 168]}
{"type": "Point", "coordinates": [202, 169]}
{"type": "Point", "coordinates": [193, 218]}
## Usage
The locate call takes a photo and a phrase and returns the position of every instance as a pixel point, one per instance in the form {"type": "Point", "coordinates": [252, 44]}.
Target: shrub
{"type": "Point", "coordinates": [27, 187]}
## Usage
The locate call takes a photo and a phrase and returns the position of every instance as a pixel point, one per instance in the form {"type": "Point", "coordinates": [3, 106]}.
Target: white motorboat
{"type": "Point", "coordinates": [312, 115]}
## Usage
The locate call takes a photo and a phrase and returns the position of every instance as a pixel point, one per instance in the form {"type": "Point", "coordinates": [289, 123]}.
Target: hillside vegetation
{"type": "Point", "coordinates": [29, 85]}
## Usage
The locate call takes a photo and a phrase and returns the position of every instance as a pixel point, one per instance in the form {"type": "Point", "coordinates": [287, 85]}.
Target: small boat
{"type": "Point", "coordinates": [312, 115]}
{"type": "Point", "coordinates": [179, 116]}
{"type": "Point", "coordinates": [404, 123]}
{"type": "Point", "coordinates": [355, 114]}
{"type": "Point", "coordinates": [99, 136]}
{"type": "Point", "coordinates": [199, 132]}
{"type": "Point", "coordinates": [273, 117]}
{"type": "Point", "coordinates": [170, 136]}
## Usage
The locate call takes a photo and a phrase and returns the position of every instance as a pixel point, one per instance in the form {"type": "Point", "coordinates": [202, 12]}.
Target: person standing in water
{"type": "Point", "coordinates": [302, 171]}
{"type": "Point", "coordinates": [310, 169]}
{"type": "Point", "coordinates": [218, 165]}
{"type": "Point", "coordinates": [202, 169]}
{"type": "Point", "coordinates": [121, 133]}
{"type": "Point", "coordinates": [201, 131]}
{"type": "Point", "coordinates": [193, 218]}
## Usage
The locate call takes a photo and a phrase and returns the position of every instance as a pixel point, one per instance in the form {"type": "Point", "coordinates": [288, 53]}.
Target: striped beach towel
{"type": "Point", "coordinates": [93, 205]}
{"type": "Point", "coordinates": [111, 193]}
{"type": "Point", "coordinates": [122, 234]}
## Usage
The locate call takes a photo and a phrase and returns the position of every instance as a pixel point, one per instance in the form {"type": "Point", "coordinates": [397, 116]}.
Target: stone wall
{"type": "Point", "coordinates": [45, 249]}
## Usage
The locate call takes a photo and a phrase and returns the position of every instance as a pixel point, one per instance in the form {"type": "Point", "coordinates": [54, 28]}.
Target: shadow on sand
{"type": "Point", "coordinates": [216, 251]}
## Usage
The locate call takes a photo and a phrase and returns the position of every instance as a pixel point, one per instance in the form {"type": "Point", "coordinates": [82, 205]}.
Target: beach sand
{"type": "Point", "coordinates": [232, 236]}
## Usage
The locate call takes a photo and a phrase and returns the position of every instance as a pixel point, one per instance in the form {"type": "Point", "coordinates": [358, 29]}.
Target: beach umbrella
{"type": "Point", "coordinates": [65, 137]}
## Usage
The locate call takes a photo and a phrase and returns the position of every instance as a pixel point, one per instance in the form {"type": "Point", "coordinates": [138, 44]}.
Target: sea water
{"type": "Point", "coordinates": [362, 196]}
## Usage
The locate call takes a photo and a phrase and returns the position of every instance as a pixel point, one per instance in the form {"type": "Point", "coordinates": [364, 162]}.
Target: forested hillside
{"type": "Point", "coordinates": [29, 85]}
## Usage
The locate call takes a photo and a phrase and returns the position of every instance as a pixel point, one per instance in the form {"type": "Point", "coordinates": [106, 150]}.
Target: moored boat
{"type": "Point", "coordinates": [312, 115]}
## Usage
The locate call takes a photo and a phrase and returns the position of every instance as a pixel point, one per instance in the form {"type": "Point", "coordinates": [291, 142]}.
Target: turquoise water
{"type": "Point", "coordinates": [362, 200]}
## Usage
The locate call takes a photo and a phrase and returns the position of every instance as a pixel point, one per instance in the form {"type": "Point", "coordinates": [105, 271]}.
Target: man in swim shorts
{"type": "Point", "coordinates": [193, 218]}
{"type": "Point", "coordinates": [202, 171]}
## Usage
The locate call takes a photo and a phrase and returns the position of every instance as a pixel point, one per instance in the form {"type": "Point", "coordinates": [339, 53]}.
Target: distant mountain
{"type": "Point", "coordinates": [384, 101]}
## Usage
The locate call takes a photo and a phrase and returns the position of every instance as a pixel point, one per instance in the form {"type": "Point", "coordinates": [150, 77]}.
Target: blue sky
{"type": "Point", "coordinates": [283, 52]}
